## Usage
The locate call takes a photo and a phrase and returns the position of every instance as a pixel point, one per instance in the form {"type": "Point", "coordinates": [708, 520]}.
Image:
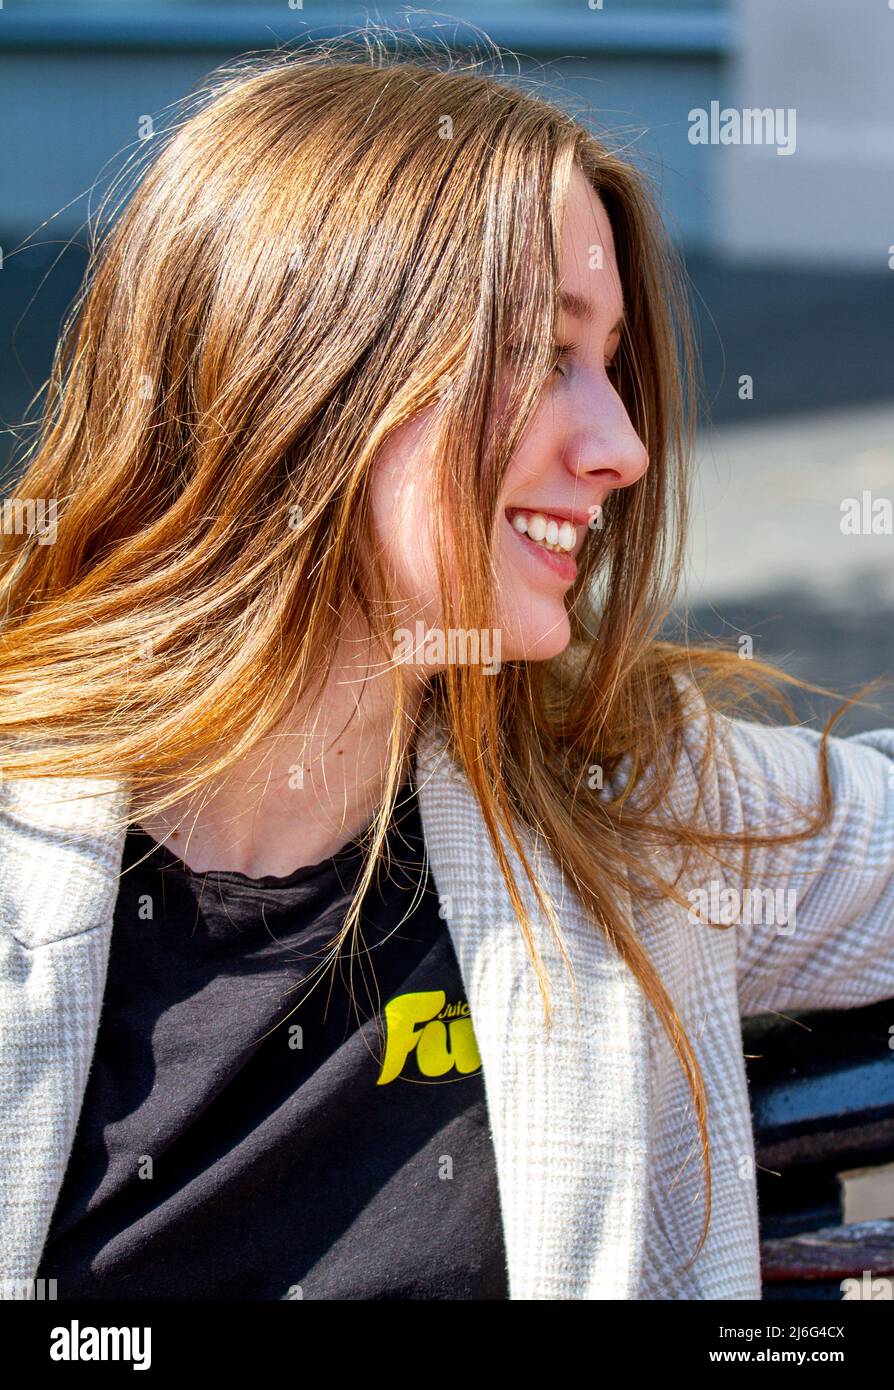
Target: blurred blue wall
{"type": "Point", "coordinates": [77, 78]}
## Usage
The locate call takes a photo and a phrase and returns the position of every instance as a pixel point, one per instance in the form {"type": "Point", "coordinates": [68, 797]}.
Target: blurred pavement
{"type": "Point", "coordinates": [768, 557]}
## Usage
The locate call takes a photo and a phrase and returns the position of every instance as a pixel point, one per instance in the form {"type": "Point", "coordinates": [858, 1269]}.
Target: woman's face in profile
{"type": "Point", "coordinates": [580, 445]}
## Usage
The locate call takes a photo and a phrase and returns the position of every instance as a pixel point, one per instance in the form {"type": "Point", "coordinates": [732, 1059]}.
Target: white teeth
{"type": "Point", "coordinates": [548, 531]}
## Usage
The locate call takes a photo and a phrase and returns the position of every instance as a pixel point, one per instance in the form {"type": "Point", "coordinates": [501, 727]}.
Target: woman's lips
{"type": "Point", "coordinates": [564, 567]}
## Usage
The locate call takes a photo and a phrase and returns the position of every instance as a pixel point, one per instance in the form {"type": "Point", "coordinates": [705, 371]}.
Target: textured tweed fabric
{"type": "Point", "coordinates": [598, 1161]}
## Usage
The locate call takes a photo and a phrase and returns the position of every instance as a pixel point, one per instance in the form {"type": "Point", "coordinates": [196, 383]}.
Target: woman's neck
{"type": "Point", "coordinates": [293, 799]}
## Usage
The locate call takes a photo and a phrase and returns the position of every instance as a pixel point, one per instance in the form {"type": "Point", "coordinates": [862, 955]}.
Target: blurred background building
{"type": "Point", "coordinates": [789, 252]}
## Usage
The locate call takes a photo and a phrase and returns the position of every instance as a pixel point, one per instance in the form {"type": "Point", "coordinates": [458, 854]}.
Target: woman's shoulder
{"type": "Point", "coordinates": [61, 840]}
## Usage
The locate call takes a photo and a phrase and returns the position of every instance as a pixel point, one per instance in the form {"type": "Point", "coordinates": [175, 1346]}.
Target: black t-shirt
{"type": "Point", "coordinates": [249, 1134]}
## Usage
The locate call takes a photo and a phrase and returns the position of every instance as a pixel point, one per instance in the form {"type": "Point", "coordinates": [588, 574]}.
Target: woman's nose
{"type": "Point", "coordinates": [601, 440]}
{"type": "Point", "coordinates": [608, 449]}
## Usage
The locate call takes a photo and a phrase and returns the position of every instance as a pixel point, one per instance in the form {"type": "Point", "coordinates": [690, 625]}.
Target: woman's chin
{"type": "Point", "coordinates": [538, 640]}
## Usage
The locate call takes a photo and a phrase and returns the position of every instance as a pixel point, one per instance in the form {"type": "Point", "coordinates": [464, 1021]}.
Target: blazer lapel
{"type": "Point", "coordinates": [567, 1110]}
{"type": "Point", "coordinates": [59, 862]}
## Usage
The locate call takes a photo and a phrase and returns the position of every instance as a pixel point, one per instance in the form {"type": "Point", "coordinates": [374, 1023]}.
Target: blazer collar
{"type": "Point", "coordinates": [567, 1107]}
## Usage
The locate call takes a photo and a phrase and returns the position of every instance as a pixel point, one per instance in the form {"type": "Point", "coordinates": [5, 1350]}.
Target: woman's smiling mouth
{"type": "Point", "coordinates": [547, 539]}
{"type": "Point", "coordinates": [552, 532]}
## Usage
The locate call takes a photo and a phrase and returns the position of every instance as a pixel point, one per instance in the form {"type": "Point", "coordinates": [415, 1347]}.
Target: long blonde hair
{"type": "Point", "coordinates": [323, 240]}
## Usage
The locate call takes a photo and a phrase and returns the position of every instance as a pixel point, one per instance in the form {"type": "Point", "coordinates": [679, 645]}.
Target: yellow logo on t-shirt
{"type": "Point", "coordinates": [440, 1034]}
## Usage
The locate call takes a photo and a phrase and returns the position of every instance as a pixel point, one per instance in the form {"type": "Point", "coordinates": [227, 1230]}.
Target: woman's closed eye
{"type": "Point", "coordinates": [563, 354]}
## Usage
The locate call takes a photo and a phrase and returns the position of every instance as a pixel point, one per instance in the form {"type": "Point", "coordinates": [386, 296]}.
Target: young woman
{"type": "Point", "coordinates": [380, 897]}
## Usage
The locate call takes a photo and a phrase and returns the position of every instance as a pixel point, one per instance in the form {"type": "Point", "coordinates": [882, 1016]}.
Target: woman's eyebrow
{"type": "Point", "coordinates": [580, 308]}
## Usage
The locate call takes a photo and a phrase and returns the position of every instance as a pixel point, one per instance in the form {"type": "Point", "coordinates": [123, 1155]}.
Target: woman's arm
{"type": "Point", "coordinates": [827, 941]}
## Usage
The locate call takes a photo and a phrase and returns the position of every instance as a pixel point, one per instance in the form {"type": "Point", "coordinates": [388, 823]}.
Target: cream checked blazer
{"type": "Point", "coordinates": [599, 1170]}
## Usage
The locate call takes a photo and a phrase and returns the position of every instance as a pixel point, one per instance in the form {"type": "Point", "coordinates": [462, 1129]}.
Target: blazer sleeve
{"type": "Point", "coordinates": [836, 948]}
